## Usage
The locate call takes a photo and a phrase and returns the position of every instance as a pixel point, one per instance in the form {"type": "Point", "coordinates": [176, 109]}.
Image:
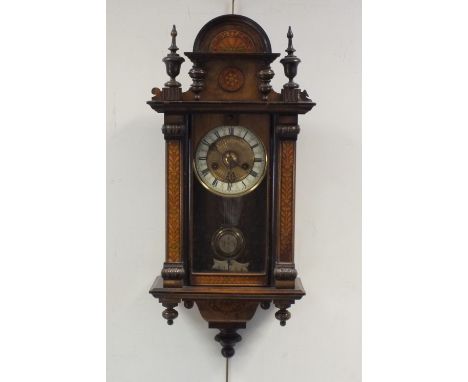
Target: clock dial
{"type": "Point", "coordinates": [230, 160]}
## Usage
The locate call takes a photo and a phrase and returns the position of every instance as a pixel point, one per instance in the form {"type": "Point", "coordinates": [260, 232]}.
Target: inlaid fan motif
{"type": "Point", "coordinates": [232, 41]}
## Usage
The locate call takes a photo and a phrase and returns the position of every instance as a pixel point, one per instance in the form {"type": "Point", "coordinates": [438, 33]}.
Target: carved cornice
{"type": "Point", "coordinates": [287, 131]}
{"type": "Point", "coordinates": [231, 106]}
{"type": "Point", "coordinates": [173, 131]}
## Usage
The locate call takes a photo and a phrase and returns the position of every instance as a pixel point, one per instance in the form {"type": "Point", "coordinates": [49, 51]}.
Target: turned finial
{"type": "Point", "coordinates": [173, 61]}
{"type": "Point", "coordinates": [290, 63]}
{"type": "Point", "coordinates": [173, 48]}
{"type": "Point", "coordinates": [290, 36]}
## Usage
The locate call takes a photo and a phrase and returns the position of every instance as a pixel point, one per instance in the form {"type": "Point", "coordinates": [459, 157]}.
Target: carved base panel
{"type": "Point", "coordinates": [228, 309]}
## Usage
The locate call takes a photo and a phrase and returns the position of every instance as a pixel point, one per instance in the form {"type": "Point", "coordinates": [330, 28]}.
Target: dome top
{"type": "Point", "coordinates": [232, 34]}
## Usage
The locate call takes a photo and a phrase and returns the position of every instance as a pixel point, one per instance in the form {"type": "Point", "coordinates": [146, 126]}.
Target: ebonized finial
{"type": "Point", "coordinates": [173, 48]}
{"type": "Point", "coordinates": [228, 338]}
{"type": "Point", "coordinates": [290, 62]}
{"type": "Point", "coordinates": [197, 74]}
{"type": "Point", "coordinates": [290, 36]}
{"type": "Point", "coordinates": [170, 314]}
{"type": "Point", "coordinates": [173, 62]}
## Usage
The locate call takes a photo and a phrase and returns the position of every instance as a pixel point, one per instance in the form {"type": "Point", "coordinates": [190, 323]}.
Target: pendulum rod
{"type": "Point", "coordinates": [232, 7]}
{"type": "Point", "coordinates": [227, 364]}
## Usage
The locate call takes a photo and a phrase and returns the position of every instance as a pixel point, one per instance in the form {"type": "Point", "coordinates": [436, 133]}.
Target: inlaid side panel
{"type": "Point", "coordinates": [284, 271]}
{"type": "Point", "coordinates": [286, 196]}
{"type": "Point", "coordinates": [173, 271]}
{"type": "Point", "coordinates": [174, 201]}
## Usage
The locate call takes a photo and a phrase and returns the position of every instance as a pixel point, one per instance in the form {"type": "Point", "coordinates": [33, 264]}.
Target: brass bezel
{"type": "Point", "coordinates": [222, 231]}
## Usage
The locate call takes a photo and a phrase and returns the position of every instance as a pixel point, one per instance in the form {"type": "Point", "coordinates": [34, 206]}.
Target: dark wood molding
{"type": "Point", "coordinates": [230, 107]}
{"type": "Point", "coordinates": [194, 293]}
{"type": "Point", "coordinates": [202, 57]}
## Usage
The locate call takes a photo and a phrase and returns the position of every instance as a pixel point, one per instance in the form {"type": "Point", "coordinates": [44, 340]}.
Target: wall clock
{"type": "Point", "coordinates": [230, 178]}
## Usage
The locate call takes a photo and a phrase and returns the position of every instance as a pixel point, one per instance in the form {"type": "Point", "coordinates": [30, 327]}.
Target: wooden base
{"type": "Point", "coordinates": [227, 308]}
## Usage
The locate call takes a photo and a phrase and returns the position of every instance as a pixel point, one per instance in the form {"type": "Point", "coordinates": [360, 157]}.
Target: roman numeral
{"type": "Point", "coordinates": [215, 182]}
{"type": "Point", "coordinates": [229, 186]}
{"type": "Point", "coordinates": [204, 158]}
{"type": "Point", "coordinates": [245, 134]}
{"type": "Point", "coordinates": [205, 142]}
{"type": "Point", "coordinates": [254, 173]}
{"type": "Point", "coordinates": [258, 160]}
{"type": "Point", "coordinates": [255, 145]}
{"type": "Point", "coordinates": [231, 130]}
{"type": "Point", "coordinates": [217, 134]}
{"type": "Point", "coordinates": [205, 172]}
{"type": "Point", "coordinates": [245, 186]}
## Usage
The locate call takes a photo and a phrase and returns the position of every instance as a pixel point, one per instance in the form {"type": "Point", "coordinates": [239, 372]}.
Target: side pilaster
{"type": "Point", "coordinates": [286, 132]}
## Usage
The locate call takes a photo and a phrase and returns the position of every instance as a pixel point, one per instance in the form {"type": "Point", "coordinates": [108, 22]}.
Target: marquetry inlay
{"type": "Point", "coordinates": [174, 201]}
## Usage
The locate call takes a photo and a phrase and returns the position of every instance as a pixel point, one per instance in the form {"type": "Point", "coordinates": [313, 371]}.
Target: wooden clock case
{"type": "Point", "coordinates": [231, 85]}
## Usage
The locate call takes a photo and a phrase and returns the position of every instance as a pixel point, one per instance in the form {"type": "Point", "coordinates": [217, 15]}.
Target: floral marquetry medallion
{"type": "Point", "coordinates": [231, 79]}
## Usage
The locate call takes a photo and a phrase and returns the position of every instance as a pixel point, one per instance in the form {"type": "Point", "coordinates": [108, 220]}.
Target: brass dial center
{"type": "Point", "coordinates": [230, 159]}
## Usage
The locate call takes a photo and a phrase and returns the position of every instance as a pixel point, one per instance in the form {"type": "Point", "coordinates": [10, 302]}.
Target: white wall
{"type": "Point", "coordinates": [322, 341]}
